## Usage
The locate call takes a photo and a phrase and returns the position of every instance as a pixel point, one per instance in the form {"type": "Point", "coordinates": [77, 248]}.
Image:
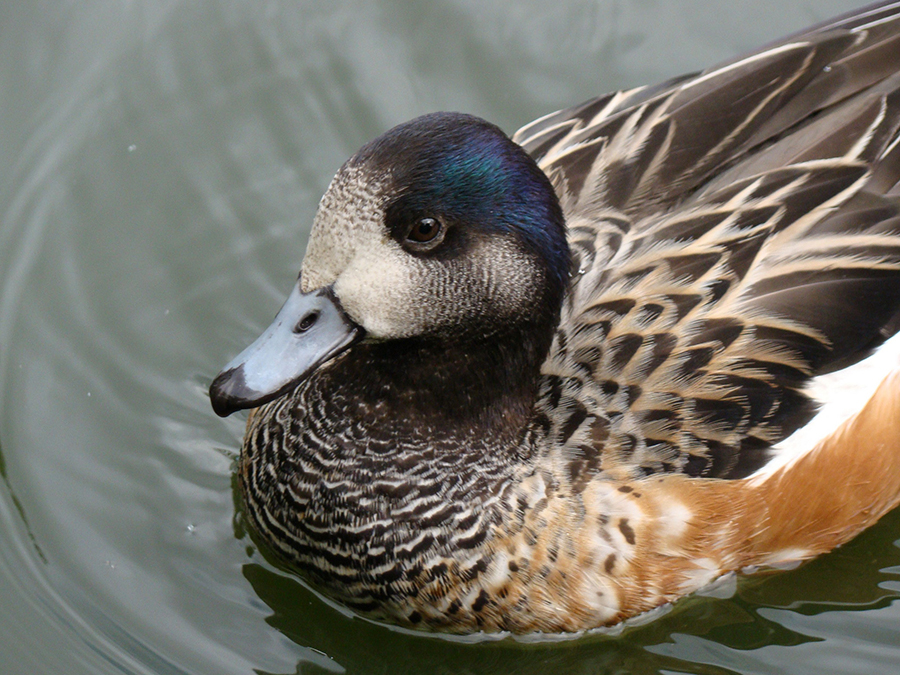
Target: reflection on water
{"type": "Point", "coordinates": [767, 613]}
{"type": "Point", "coordinates": [162, 165]}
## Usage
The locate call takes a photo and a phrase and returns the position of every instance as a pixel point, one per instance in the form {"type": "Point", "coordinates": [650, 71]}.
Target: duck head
{"type": "Point", "coordinates": [441, 231]}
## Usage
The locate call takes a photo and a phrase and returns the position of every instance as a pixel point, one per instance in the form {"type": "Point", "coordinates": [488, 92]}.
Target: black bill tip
{"type": "Point", "coordinates": [228, 393]}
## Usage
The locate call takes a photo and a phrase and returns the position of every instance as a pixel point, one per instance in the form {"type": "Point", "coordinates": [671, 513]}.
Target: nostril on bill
{"type": "Point", "coordinates": [306, 322]}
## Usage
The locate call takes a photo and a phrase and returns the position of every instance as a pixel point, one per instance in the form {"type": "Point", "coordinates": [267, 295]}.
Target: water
{"type": "Point", "coordinates": [161, 166]}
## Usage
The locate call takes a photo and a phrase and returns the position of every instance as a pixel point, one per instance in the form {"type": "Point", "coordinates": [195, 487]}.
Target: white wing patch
{"type": "Point", "coordinates": [843, 394]}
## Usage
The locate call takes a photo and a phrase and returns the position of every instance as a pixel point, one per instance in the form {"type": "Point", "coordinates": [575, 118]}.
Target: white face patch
{"type": "Point", "coordinates": [392, 293]}
{"type": "Point", "coordinates": [349, 216]}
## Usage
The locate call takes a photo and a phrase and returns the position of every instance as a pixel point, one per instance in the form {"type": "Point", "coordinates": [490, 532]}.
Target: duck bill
{"type": "Point", "coordinates": [309, 329]}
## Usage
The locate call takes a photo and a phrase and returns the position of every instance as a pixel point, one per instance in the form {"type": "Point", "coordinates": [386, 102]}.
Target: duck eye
{"type": "Point", "coordinates": [425, 230]}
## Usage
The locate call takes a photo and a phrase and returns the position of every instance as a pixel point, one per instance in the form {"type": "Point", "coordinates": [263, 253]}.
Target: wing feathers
{"type": "Point", "coordinates": [735, 233]}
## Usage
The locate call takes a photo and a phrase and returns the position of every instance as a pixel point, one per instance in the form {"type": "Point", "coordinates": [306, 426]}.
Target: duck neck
{"type": "Point", "coordinates": [484, 386]}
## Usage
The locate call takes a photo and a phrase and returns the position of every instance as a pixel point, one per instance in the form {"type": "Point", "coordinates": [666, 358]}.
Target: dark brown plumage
{"type": "Point", "coordinates": [469, 451]}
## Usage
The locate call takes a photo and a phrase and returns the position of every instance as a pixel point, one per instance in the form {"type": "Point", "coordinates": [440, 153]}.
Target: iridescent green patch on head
{"type": "Point", "coordinates": [467, 172]}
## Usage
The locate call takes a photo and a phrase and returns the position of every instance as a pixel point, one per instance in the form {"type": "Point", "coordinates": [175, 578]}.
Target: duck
{"type": "Point", "coordinates": [550, 382]}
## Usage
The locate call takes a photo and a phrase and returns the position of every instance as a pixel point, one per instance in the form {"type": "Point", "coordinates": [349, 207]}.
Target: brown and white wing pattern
{"type": "Point", "coordinates": [734, 234]}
